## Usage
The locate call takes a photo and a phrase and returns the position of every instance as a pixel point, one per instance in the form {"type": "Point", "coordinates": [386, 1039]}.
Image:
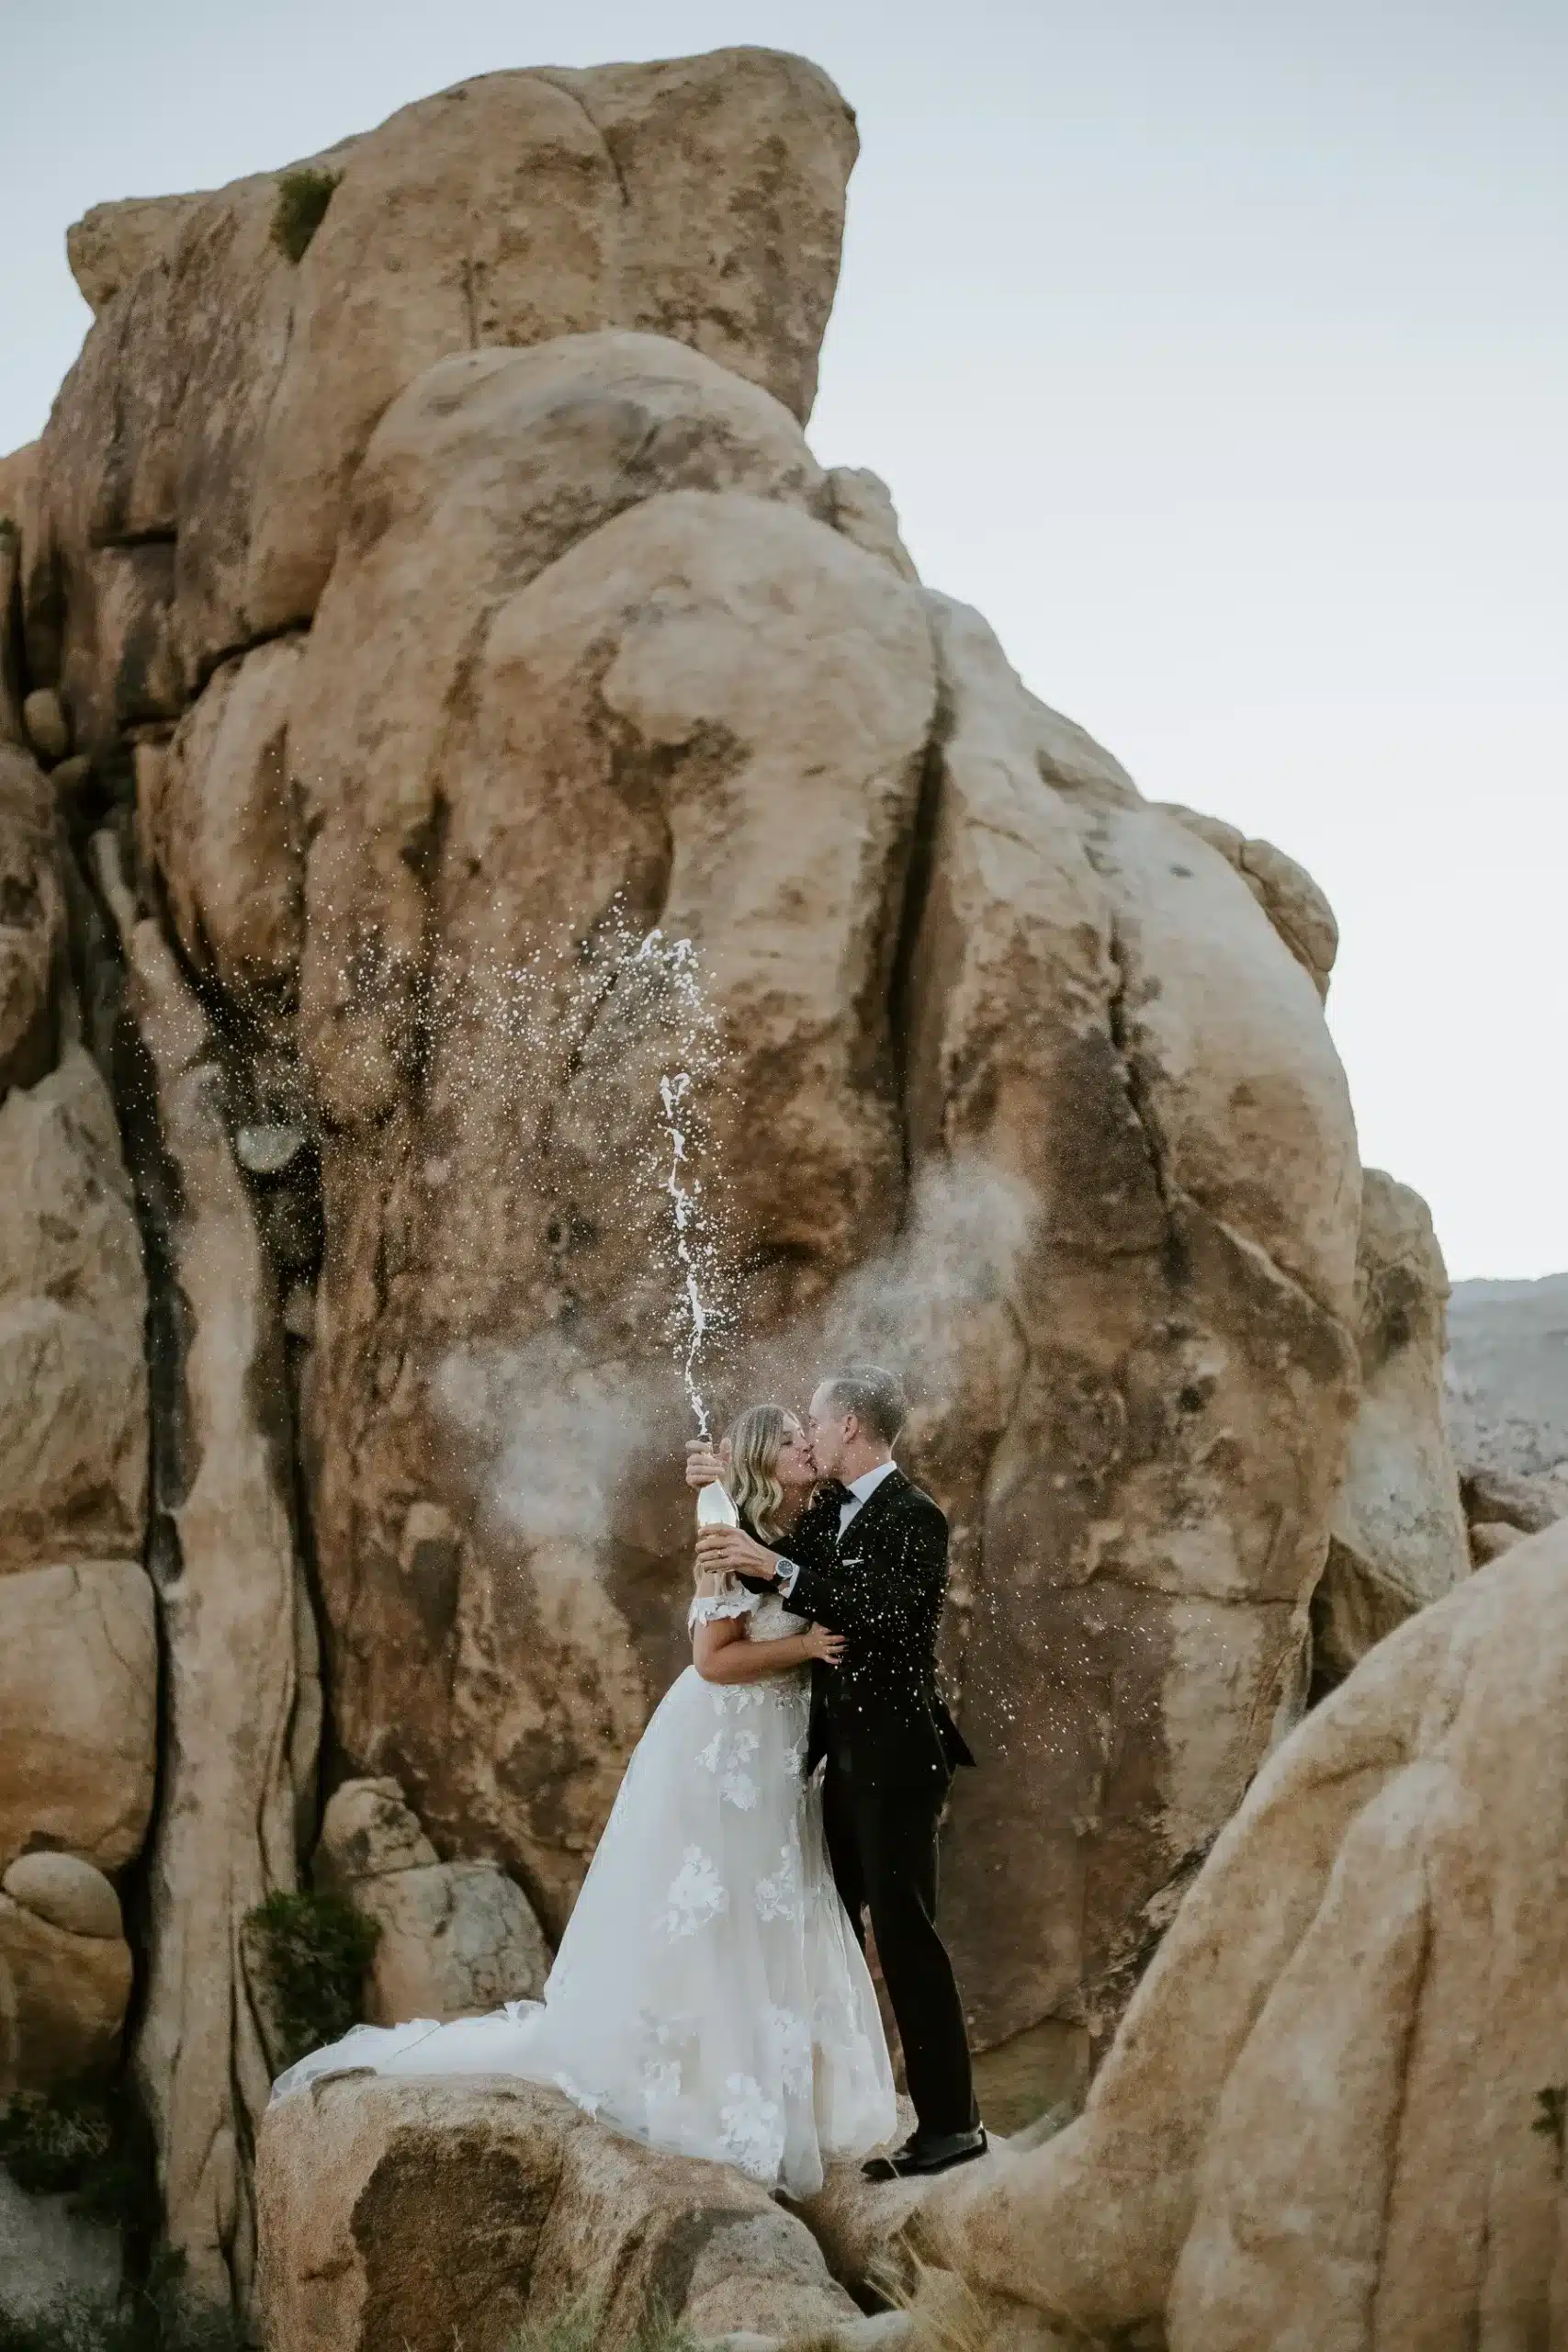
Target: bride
{"type": "Point", "coordinates": [708, 1995]}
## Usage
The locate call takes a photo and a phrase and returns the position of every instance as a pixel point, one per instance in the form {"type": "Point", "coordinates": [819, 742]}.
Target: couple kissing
{"type": "Point", "coordinates": [789, 1788]}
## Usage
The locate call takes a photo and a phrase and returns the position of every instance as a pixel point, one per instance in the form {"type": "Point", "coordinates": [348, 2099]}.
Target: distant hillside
{"type": "Point", "coordinates": [1507, 1383]}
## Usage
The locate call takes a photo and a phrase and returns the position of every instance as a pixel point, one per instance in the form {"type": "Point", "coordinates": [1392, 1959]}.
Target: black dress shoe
{"type": "Point", "coordinates": [928, 2153]}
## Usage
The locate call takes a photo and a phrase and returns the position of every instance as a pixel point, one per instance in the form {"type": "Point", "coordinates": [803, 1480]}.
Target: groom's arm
{"type": "Point", "coordinates": [890, 1589]}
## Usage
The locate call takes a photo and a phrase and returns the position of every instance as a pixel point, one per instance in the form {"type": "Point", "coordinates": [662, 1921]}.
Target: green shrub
{"type": "Point", "coordinates": [313, 1951]}
{"type": "Point", "coordinates": [157, 2316]}
{"type": "Point", "coordinates": [302, 200]}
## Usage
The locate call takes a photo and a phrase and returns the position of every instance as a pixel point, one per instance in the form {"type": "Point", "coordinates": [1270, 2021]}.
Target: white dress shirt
{"type": "Point", "coordinates": [862, 1489]}
{"type": "Point", "coordinates": [858, 1493]}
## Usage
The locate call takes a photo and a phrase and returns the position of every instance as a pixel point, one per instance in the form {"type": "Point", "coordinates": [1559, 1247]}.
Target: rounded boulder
{"type": "Point", "coordinates": [67, 1892]}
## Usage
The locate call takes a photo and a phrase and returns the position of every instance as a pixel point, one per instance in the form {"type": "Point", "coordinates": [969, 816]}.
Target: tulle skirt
{"type": "Point", "coordinates": [709, 1996]}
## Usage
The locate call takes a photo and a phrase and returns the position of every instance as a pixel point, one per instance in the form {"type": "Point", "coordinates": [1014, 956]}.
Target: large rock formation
{"type": "Point", "coordinates": [431, 594]}
{"type": "Point", "coordinates": [421, 2214]}
{"type": "Point", "coordinates": [243, 1709]}
{"type": "Point", "coordinates": [78, 1658]}
{"type": "Point", "coordinates": [1399, 1539]}
{"type": "Point", "coordinates": [1334, 2113]}
{"type": "Point", "coordinates": [998, 1043]}
{"type": "Point", "coordinates": [1023, 1080]}
{"type": "Point", "coordinates": [197, 466]}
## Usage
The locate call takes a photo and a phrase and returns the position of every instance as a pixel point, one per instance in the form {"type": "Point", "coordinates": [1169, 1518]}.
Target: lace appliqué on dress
{"type": "Point", "coordinates": [727, 1756]}
{"type": "Point", "coordinates": [735, 1699]}
{"type": "Point", "coordinates": [660, 2081]}
{"type": "Point", "coordinates": [732, 1601]}
{"type": "Point", "coordinates": [789, 2038]}
{"type": "Point", "coordinates": [778, 1897]}
{"type": "Point", "coordinates": [696, 1894]}
{"type": "Point", "coordinates": [752, 2128]}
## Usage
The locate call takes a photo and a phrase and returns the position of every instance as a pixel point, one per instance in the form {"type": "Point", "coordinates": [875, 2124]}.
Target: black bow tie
{"type": "Point", "coordinates": [830, 1491]}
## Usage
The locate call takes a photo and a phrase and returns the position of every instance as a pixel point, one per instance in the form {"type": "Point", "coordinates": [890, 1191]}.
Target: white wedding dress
{"type": "Point", "coordinates": [708, 1995]}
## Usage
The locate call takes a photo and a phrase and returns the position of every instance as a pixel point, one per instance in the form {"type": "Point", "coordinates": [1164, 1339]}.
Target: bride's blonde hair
{"type": "Point", "coordinates": [757, 1439]}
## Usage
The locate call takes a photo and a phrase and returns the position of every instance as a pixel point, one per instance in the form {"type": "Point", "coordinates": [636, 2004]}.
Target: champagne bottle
{"type": "Point", "coordinates": [714, 1507]}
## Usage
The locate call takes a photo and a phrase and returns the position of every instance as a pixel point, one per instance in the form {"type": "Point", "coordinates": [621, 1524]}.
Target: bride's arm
{"type": "Point", "coordinates": [722, 1651]}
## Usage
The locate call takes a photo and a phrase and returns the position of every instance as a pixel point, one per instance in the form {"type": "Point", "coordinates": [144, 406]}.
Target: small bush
{"type": "Point", "coordinates": [302, 200]}
{"type": "Point", "coordinates": [659, 2332]}
{"type": "Point", "coordinates": [580, 2325]}
{"type": "Point", "coordinates": [49, 2144]}
{"type": "Point", "coordinates": [574, 2329]}
{"type": "Point", "coordinates": [313, 1951]}
{"type": "Point", "coordinates": [92, 2143]}
{"type": "Point", "coordinates": [157, 2316]}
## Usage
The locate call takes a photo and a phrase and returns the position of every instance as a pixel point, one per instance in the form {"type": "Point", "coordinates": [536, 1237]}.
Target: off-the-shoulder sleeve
{"type": "Point", "coordinates": [733, 1601]}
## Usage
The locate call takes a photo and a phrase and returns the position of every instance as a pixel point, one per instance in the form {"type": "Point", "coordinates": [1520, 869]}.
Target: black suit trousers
{"type": "Point", "coordinates": [883, 1846]}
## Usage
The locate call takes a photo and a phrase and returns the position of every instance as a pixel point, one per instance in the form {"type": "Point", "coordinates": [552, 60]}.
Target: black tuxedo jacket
{"type": "Point", "coordinates": [880, 1715]}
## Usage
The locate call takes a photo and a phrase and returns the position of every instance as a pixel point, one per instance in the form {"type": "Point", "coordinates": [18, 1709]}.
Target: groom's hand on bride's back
{"type": "Point", "coordinates": [705, 1466]}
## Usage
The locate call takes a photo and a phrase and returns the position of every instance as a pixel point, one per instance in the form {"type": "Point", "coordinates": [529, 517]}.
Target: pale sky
{"type": "Point", "coordinates": [1218, 353]}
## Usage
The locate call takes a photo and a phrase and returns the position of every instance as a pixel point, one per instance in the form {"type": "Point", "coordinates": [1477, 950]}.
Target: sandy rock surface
{"type": "Point", "coordinates": [78, 1657]}
{"type": "Point", "coordinates": [217, 818]}
{"type": "Point", "coordinates": [243, 1700]}
{"type": "Point", "coordinates": [1399, 1537]}
{"type": "Point", "coordinates": [73, 1302]}
{"type": "Point", "coordinates": [78, 1702]}
{"type": "Point", "coordinates": [63, 2001]}
{"type": "Point", "coordinates": [32, 922]}
{"type": "Point", "coordinates": [67, 1892]}
{"type": "Point", "coordinates": [48, 2250]}
{"type": "Point", "coordinates": [456, 1937]}
{"type": "Point", "coordinates": [113, 244]}
{"type": "Point", "coordinates": [1285, 891]}
{"type": "Point", "coordinates": [13, 727]}
{"type": "Point", "coordinates": [416, 2212]}
{"type": "Point", "coordinates": [18, 475]}
{"type": "Point", "coordinates": [1334, 2113]}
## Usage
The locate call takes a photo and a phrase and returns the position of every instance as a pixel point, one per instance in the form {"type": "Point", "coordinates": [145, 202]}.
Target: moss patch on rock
{"type": "Point", "coordinates": [302, 200]}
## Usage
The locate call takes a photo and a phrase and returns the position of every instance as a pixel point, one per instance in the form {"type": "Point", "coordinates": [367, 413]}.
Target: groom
{"type": "Point", "coordinates": [869, 1561]}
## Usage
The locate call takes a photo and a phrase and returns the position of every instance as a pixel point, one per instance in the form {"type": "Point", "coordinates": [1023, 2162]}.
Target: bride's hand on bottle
{"type": "Point", "coordinates": [822, 1645]}
{"type": "Point", "coordinates": [705, 1466]}
{"type": "Point", "coordinates": [729, 1551]}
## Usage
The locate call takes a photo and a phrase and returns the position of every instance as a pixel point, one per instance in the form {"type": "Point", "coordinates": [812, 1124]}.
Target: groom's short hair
{"type": "Point", "coordinates": [874, 1396]}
